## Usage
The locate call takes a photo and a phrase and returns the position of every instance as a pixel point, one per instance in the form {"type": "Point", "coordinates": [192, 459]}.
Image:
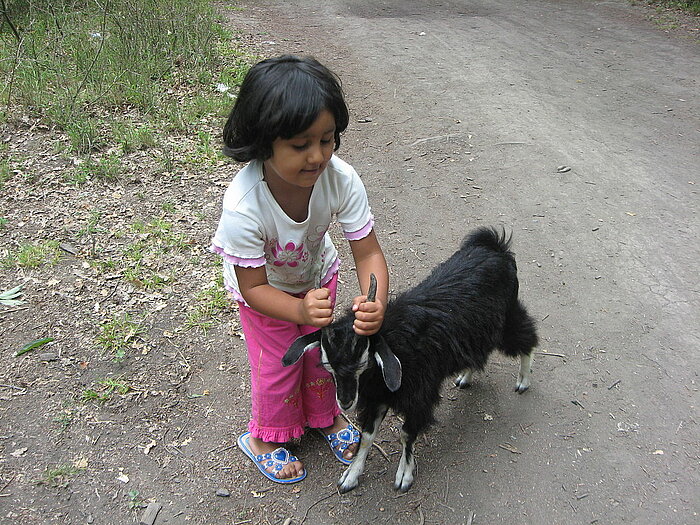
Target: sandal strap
{"type": "Point", "coordinates": [343, 439]}
{"type": "Point", "coordinates": [276, 459]}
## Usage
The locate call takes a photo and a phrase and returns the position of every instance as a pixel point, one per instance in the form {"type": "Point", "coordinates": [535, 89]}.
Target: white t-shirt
{"type": "Point", "coordinates": [254, 230]}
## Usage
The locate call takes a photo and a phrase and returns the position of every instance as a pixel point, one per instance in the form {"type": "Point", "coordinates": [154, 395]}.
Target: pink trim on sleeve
{"type": "Point", "coordinates": [238, 261]}
{"type": "Point", "coordinates": [362, 232]}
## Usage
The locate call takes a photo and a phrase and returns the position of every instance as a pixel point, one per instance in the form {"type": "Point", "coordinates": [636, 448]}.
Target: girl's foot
{"type": "Point", "coordinates": [291, 470]}
{"type": "Point", "coordinates": [341, 424]}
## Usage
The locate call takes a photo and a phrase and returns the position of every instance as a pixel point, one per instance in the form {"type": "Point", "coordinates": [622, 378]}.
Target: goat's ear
{"type": "Point", "coordinates": [301, 345]}
{"type": "Point", "coordinates": [388, 362]}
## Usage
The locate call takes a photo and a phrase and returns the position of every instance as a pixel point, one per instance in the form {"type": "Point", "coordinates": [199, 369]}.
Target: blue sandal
{"type": "Point", "coordinates": [276, 459]}
{"type": "Point", "coordinates": [340, 441]}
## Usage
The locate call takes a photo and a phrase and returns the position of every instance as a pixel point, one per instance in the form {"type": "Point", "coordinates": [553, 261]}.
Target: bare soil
{"type": "Point", "coordinates": [574, 124]}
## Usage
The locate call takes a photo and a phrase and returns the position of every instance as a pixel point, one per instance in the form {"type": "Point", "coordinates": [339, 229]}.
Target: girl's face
{"type": "Point", "coordinates": [300, 160]}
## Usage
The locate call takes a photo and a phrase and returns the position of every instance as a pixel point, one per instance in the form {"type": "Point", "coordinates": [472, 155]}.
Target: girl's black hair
{"type": "Point", "coordinates": [279, 98]}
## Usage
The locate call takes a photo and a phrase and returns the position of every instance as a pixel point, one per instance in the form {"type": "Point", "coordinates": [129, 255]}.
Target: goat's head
{"type": "Point", "coordinates": [346, 355]}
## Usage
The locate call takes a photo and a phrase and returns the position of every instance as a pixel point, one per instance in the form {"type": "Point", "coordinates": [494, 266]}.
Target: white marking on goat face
{"type": "Point", "coordinates": [325, 363]}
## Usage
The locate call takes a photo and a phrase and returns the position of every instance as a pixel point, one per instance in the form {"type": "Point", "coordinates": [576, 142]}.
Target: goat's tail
{"type": "Point", "coordinates": [489, 238]}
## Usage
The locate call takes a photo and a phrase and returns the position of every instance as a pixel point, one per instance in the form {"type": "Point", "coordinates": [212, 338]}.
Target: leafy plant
{"type": "Point", "coordinates": [108, 386]}
{"type": "Point", "coordinates": [117, 334]}
{"type": "Point", "coordinates": [135, 501]}
{"type": "Point", "coordinates": [30, 255]}
{"type": "Point", "coordinates": [107, 168]}
{"type": "Point", "coordinates": [60, 476]}
{"type": "Point", "coordinates": [12, 297]}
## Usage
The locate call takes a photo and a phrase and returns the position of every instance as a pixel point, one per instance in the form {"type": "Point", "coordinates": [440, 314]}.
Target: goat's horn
{"type": "Point", "coordinates": [372, 292]}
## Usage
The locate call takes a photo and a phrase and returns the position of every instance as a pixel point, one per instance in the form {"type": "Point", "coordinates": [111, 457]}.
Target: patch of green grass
{"type": "Point", "coordinates": [3, 220]}
{"type": "Point", "coordinates": [690, 6]}
{"type": "Point", "coordinates": [85, 133]}
{"type": "Point", "coordinates": [211, 302]}
{"type": "Point", "coordinates": [4, 171]}
{"type": "Point", "coordinates": [67, 62]}
{"type": "Point", "coordinates": [65, 418]}
{"type": "Point", "coordinates": [133, 137]}
{"type": "Point", "coordinates": [107, 387]}
{"type": "Point", "coordinates": [107, 168]}
{"type": "Point", "coordinates": [142, 260]}
{"type": "Point", "coordinates": [117, 335]}
{"type": "Point", "coordinates": [32, 255]}
{"type": "Point", "coordinates": [59, 476]}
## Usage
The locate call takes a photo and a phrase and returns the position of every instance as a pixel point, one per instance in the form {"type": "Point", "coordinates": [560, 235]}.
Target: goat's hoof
{"type": "Point", "coordinates": [346, 483]}
{"type": "Point", "coordinates": [463, 382]}
{"type": "Point", "coordinates": [403, 486]}
{"type": "Point", "coordinates": [522, 385]}
{"type": "Point", "coordinates": [343, 487]}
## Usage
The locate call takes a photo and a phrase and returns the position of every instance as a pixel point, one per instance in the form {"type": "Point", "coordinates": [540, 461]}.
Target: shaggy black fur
{"type": "Point", "coordinates": [467, 307]}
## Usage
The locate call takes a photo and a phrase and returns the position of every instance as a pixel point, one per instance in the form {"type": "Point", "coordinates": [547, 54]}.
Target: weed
{"type": "Point", "coordinates": [135, 501]}
{"type": "Point", "coordinates": [107, 168]}
{"type": "Point", "coordinates": [3, 220]}
{"type": "Point", "coordinates": [212, 301]}
{"type": "Point", "coordinates": [91, 227]}
{"type": "Point", "coordinates": [4, 171]}
{"type": "Point", "coordinates": [68, 59]}
{"type": "Point", "coordinates": [117, 334]}
{"type": "Point", "coordinates": [103, 393]}
{"type": "Point", "coordinates": [60, 475]}
{"type": "Point", "coordinates": [64, 420]}
{"type": "Point", "coordinates": [133, 138]}
{"type": "Point", "coordinates": [89, 394]}
{"type": "Point", "coordinates": [30, 255]}
{"type": "Point", "coordinates": [167, 207]}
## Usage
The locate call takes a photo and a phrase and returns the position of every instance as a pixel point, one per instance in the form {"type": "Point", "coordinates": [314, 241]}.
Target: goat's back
{"type": "Point", "coordinates": [454, 318]}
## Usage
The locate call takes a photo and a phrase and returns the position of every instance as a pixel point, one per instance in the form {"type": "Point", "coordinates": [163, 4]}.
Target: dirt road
{"type": "Point", "coordinates": [576, 125]}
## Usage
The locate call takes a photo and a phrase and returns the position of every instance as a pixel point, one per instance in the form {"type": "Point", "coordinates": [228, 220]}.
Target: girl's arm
{"type": "Point", "coordinates": [369, 258]}
{"type": "Point", "coordinates": [314, 309]}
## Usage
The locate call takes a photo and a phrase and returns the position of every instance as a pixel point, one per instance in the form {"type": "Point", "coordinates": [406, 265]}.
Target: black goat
{"type": "Point", "coordinates": [448, 324]}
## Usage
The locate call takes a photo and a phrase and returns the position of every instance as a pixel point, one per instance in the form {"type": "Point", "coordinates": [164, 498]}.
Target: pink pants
{"type": "Point", "coordinates": [285, 399]}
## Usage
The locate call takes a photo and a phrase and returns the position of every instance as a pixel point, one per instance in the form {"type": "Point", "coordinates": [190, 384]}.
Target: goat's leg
{"type": "Point", "coordinates": [351, 477]}
{"type": "Point", "coordinates": [524, 374]}
{"type": "Point", "coordinates": [404, 474]}
{"type": "Point", "coordinates": [464, 379]}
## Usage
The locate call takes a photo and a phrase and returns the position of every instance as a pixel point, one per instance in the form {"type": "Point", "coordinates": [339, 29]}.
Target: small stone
{"type": "Point", "coordinates": [223, 493]}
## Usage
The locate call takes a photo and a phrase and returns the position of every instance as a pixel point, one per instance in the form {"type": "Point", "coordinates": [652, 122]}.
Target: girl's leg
{"type": "Point", "coordinates": [277, 412]}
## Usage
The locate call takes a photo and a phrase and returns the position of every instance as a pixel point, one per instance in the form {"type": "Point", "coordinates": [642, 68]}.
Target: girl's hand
{"type": "Point", "coordinates": [316, 308]}
{"type": "Point", "coordinates": [368, 316]}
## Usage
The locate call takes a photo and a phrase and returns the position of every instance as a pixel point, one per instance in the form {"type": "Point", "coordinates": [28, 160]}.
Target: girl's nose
{"type": "Point", "coordinates": [315, 154]}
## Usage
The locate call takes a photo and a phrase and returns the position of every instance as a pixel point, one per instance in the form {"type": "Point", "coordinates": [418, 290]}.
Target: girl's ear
{"type": "Point", "coordinates": [388, 362]}
{"type": "Point", "coordinates": [301, 345]}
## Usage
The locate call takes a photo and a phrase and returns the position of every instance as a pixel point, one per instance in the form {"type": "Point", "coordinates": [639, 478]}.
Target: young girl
{"type": "Point", "coordinates": [279, 261]}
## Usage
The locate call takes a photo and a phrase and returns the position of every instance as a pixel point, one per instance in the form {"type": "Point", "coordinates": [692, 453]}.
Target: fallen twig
{"type": "Point", "coordinates": [316, 503]}
{"type": "Point", "coordinates": [615, 384]}
{"type": "Point", "coordinates": [12, 386]}
{"type": "Point", "coordinates": [7, 484]}
{"type": "Point", "coordinates": [386, 456]}
{"type": "Point", "coordinates": [551, 354]}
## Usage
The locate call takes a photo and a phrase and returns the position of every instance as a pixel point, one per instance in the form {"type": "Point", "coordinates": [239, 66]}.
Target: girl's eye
{"type": "Point", "coordinates": [299, 147]}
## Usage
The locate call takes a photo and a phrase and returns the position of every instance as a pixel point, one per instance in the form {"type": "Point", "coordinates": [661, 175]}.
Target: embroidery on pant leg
{"type": "Point", "coordinates": [293, 399]}
{"type": "Point", "coordinates": [320, 387]}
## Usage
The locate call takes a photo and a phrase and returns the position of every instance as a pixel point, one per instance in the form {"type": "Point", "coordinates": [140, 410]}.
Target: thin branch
{"type": "Point", "coordinates": [94, 59]}
{"type": "Point", "coordinates": [9, 22]}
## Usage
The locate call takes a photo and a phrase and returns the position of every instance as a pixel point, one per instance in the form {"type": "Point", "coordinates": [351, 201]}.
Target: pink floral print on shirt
{"type": "Point", "coordinates": [290, 255]}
